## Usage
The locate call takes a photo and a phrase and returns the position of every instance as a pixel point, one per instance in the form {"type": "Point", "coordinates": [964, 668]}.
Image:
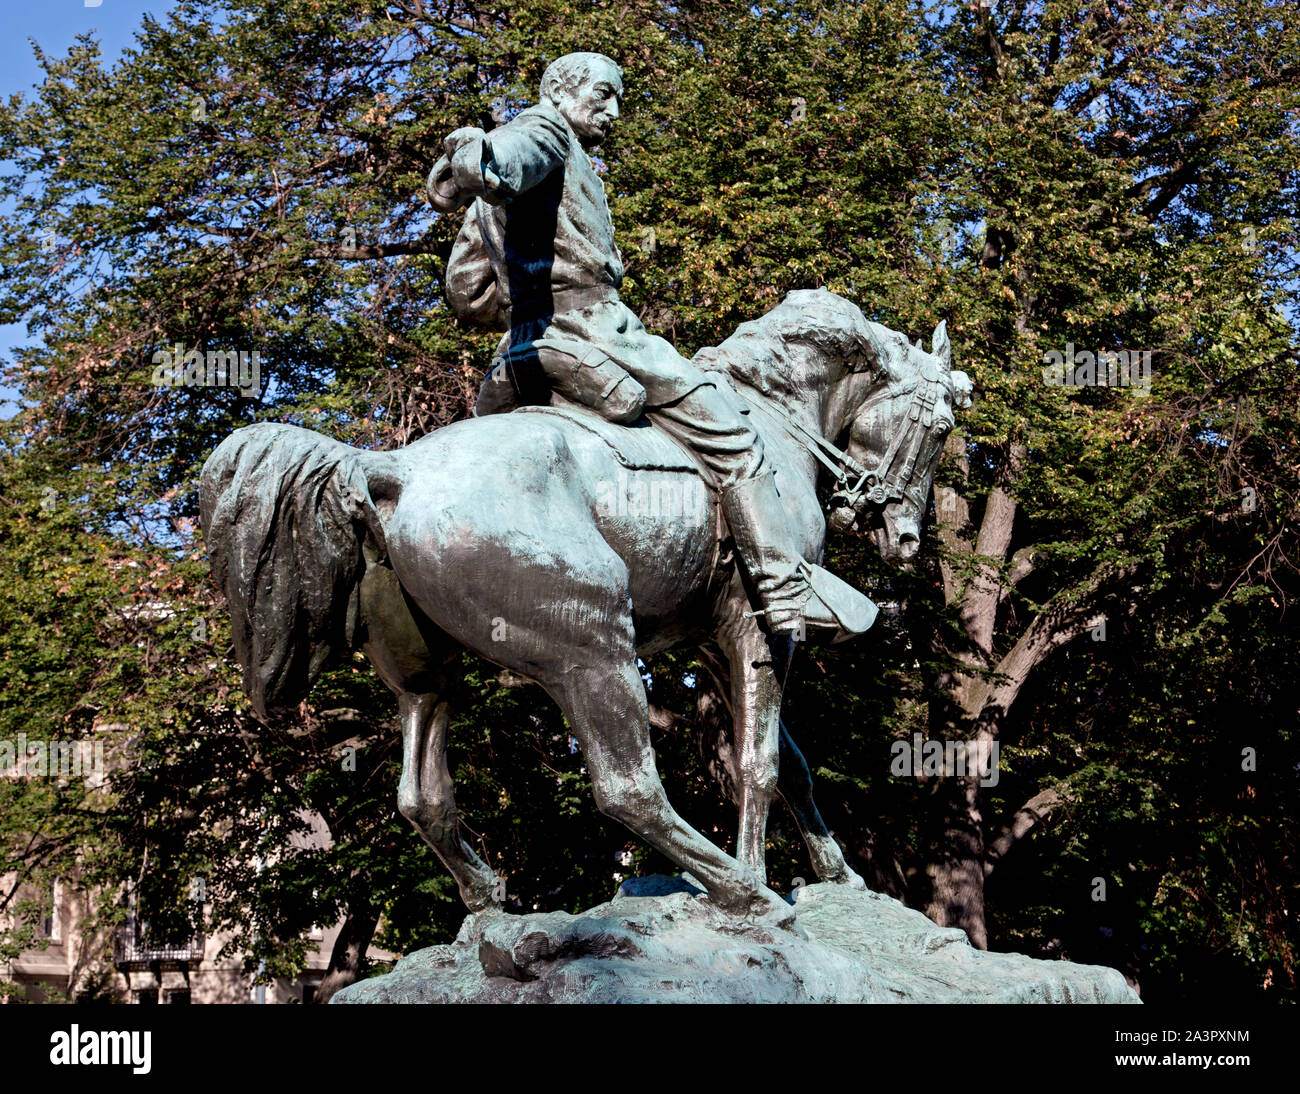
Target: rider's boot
{"type": "Point", "coordinates": [793, 592]}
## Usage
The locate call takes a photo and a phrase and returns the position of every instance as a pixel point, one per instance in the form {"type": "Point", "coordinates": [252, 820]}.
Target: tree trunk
{"type": "Point", "coordinates": [956, 871]}
{"type": "Point", "coordinates": [956, 874]}
{"type": "Point", "coordinates": [348, 958]}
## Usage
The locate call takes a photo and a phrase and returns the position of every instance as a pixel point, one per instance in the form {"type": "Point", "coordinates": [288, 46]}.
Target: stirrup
{"type": "Point", "coordinates": [828, 603]}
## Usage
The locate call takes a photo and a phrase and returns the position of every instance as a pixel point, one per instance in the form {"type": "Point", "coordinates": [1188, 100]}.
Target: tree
{"type": "Point", "coordinates": [1154, 176]}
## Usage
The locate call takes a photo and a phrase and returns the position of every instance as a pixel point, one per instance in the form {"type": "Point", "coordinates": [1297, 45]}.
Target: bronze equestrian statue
{"type": "Point", "coordinates": [525, 536]}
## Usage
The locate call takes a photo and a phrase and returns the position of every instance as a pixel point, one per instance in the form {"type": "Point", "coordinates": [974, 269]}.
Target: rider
{"type": "Point", "coordinates": [537, 254]}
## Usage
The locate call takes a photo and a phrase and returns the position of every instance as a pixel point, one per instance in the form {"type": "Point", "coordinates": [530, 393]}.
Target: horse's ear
{"type": "Point", "coordinates": [940, 346]}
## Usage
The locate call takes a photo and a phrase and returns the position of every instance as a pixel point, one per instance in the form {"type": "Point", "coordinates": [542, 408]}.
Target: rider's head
{"type": "Point", "coordinates": [586, 89]}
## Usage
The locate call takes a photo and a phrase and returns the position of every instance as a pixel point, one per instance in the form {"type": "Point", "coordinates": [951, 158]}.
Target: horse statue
{"type": "Point", "coordinates": [562, 547]}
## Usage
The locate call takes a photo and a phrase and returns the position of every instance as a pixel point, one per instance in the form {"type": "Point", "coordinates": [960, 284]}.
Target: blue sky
{"type": "Point", "coordinates": [55, 24]}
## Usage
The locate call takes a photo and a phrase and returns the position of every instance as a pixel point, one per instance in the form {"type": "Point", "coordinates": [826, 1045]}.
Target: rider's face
{"type": "Point", "coordinates": [592, 108]}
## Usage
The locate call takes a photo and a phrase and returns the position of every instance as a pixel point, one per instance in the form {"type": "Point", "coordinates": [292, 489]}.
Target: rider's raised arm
{"type": "Point", "coordinates": [501, 165]}
{"type": "Point", "coordinates": [523, 153]}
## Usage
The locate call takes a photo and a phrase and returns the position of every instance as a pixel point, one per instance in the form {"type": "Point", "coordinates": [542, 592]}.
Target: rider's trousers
{"type": "Point", "coordinates": [681, 398]}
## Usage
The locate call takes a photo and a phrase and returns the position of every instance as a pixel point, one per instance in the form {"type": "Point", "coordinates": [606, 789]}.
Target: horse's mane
{"type": "Point", "coordinates": [758, 353]}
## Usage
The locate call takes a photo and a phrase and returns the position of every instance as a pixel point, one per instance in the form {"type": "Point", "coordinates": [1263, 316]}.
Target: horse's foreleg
{"type": "Point", "coordinates": [608, 711]}
{"type": "Point", "coordinates": [758, 667]}
{"type": "Point", "coordinates": [795, 788]}
{"type": "Point", "coordinates": [425, 798]}
{"type": "Point", "coordinates": [768, 761]}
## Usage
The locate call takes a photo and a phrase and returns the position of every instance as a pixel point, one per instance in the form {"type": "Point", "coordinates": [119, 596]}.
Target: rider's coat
{"type": "Point", "coordinates": [537, 252]}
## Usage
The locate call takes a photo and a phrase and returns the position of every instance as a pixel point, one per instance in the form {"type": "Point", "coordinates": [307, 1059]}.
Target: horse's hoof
{"type": "Point", "coordinates": [777, 915]}
{"type": "Point", "coordinates": [850, 878]}
{"type": "Point", "coordinates": [791, 923]}
{"type": "Point", "coordinates": [484, 910]}
{"type": "Point", "coordinates": [481, 899]}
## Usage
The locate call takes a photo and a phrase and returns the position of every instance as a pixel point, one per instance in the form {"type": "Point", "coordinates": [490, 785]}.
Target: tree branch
{"type": "Point", "coordinates": [952, 513]}
{"type": "Point", "coordinates": [1036, 810]}
{"type": "Point", "coordinates": [982, 595]}
{"type": "Point", "coordinates": [1023, 563]}
{"type": "Point", "coordinates": [988, 700]}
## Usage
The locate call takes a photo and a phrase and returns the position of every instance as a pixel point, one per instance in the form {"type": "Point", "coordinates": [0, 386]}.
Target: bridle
{"type": "Point", "coordinates": [914, 445]}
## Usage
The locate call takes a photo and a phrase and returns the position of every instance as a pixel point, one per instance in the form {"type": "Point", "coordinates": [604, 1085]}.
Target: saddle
{"type": "Point", "coordinates": [578, 374]}
{"type": "Point", "coordinates": [638, 447]}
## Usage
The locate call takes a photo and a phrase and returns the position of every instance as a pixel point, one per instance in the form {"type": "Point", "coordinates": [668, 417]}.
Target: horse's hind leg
{"type": "Point", "coordinates": [412, 659]}
{"type": "Point", "coordinates": [796, 790]}
{"type": "Point", "coordinates": [425, 798]}
{"type": "Point", "coordinates": [608, 711]}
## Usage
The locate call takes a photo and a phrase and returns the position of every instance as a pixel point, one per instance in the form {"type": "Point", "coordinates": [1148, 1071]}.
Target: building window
{"type": "Point", "coordinates": [40, 908]}
{"type": "Point", "coordinates": [146, 996]}
{"type": "Point", "coordinates": [309, 993]}
{"type": "Point", "coordinates": [49, 926]}
{"type": "Point", "coordinates": [181, 997]}
{"type": "Point", "coordinates": [52, 925]}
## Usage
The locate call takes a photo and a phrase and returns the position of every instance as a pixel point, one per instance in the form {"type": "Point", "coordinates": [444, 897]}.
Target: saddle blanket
{"type": "Point", "coordinates": [638, 447]}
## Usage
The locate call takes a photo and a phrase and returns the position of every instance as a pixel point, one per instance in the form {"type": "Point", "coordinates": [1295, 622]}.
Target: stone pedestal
{"type": "Point", "coordinates": [660, 941]}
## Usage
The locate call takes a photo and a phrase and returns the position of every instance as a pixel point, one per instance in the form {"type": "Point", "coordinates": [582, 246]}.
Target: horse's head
{"type": "Point", "coordinates": [897, 436]}
{"type": "Point", "coordinates": [893, 401]}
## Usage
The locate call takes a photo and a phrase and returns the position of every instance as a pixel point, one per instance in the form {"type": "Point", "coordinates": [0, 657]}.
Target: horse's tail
{"type": "Point", "coordinates": [285, 514]}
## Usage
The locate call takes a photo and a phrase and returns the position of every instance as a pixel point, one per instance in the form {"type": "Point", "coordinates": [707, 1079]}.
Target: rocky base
{"type": "Point", "coordinates": [661, 941]}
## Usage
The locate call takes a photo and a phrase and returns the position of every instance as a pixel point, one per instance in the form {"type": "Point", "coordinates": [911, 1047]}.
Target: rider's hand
{"type": "Point", "coordinates": [458, 138]}
{"type": "Point", "coordinates": [462, 173]}
{"type": "Point", "coordinates": [466, 149]}
{"type": "Point", "coordinates": [443, 195]}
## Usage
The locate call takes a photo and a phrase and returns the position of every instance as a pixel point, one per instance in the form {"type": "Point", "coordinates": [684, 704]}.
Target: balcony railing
{"type": "Point", "coordinates": [132, 947]}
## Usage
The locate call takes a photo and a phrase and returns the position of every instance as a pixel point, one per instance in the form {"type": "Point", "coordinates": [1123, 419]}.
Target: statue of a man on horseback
{"type": "Point", "coordinates": [496, 534]}
{"type": "Point", "coordinates": [537, 254]}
